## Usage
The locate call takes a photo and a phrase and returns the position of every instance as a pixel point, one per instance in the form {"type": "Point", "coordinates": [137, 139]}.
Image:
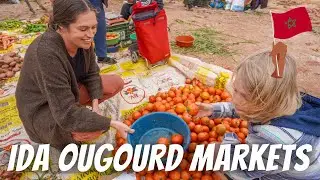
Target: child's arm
{"type": "Point", "coordinates": [217, 110]}
{"type": "Point", "coordinates": [223, 109]}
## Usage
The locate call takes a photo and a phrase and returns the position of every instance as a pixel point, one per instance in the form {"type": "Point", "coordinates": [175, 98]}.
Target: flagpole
{"type": "Point", "coordinates": [274, 43]}
{"type": "Point", "coordinates": [277, 64]}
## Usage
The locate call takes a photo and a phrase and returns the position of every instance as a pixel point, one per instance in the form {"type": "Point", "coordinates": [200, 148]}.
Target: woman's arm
{"type": "Point", "coordinates": [52, 78]}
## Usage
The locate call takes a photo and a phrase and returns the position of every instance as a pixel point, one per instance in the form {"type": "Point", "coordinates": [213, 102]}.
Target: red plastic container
{"type": "Point", "coordinates": [184, 41]}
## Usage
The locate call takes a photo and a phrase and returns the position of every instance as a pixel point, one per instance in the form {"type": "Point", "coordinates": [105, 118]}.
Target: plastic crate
{"type": "Point", "coordinates": [122, 29]}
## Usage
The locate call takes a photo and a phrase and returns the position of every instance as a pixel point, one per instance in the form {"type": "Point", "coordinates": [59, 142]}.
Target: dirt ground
{"type": "Point", "coordinates": [240, 33]}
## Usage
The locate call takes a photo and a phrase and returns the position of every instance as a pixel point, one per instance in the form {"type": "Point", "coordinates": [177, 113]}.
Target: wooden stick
{"type": "Point", "coordinates": [274, 43]}
{"type": "Point", "coordinates": [277, 64]}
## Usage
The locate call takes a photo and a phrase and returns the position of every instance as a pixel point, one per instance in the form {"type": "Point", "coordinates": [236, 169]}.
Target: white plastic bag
{"type": "Point", "coordinates": [237, 5]}
{"type": "Point", "coordinates": [15, 1]}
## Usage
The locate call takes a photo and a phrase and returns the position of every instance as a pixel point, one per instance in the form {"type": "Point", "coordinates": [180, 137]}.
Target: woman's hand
{"type": "Point", "coordinates": [204, 110]}
{"type": "Point", "coordinates": [89, 136]}
{"type": "Point", "coordinates": [95, 107]}
{"type": "Point", "coordinates": [122, 128]}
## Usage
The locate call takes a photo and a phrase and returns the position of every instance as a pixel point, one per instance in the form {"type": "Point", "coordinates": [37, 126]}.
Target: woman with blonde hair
{"type": "Point", "coordinates": [276, 111]}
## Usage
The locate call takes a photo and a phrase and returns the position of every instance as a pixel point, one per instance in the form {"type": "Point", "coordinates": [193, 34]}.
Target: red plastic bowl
{"type": "Point", "coordinates": [184, 41]}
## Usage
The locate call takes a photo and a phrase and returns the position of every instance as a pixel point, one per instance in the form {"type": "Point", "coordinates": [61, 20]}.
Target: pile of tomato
{"type": "Point", "coordinates": [182, 102]}
{"type": "Point", "coordinates": [111, 35]}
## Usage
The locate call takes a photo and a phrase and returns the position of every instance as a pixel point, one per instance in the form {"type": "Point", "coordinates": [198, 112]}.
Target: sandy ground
{"type": "Point", "coordinates": [242, 33]}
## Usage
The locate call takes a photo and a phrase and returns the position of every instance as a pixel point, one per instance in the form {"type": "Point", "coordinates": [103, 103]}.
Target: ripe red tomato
{"type": "Point", "coordinates": [174, 175]}
{"type": "Point", "coordinates": [171, 111]}
{"type": "Point", "coordinates": [205, 121]}
{"type": "Point", "coordinates": [216, 98]}
{"type": "Point", "coordinates": [177, 139]}
{"type": "Point", "coordinates": [225, 95]}
{"type": "Point", "coordinates": [150, 107]}
{"type": "Point", "coordinates": [152, 99]}
{"type": "Point", "coordinates": [184, 164]}
{"type": "Point", "coordinates": [159, 175]}
{"type": "Point", "coordinates": [205, 95]}
{"type": "Point", "coordinates": [145, 112]}
{"type": "Point", "coordinates": [218, 92]}
{"type": "Point", "coordinates": [194, 137]}
{"type": "Point", "coordinates": [198, 129]}
{"type": "Point", "coordinates": [221, 129]}
{"type": "Point", "coordinates": [241, 135]}
{"type": "Point", "coordinates": [180, 108]}
{"type": "Point", "coordinates": [203, 136]}
{"type": "Point", "coordinates": [192, 147]}
{"type": "Point", "coordinates": [136, 115]}
{"type": "Point", "coordinates": [191, 126]}
{"type": "Point", "coordinates": [213, 134]}
{"type": "Point", "coordinates": [244, 124]}
{"type": "Point", "coordinates": [186, 117]}
{"type": "Point", "coordinates": [192, 109]}
{"type": "Point", "coordinates": [163, 140]}
{"type": "Point", "coordinates": [245, 131]}
{"type": "Point", "coordinates": [161, 108]}
{"type": "Point", "coordinates": [171, 94]}
{"type": "Point", "coordinates": [235, 123]}
{"type": "Point", "coordinates": [205, 129]}
{"type": "Point", "coordinates": [211, 124]}
{"type": "Point", "coordinates": [185, 175]}
{"type": "Point", "coordinates": [212, 90]}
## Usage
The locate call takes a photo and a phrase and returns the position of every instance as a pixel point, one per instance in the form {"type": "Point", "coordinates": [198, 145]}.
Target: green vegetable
{"type": "Point", "coordinates": [34, 28]}
{"type": "Point", "coordinates": [10, 24]}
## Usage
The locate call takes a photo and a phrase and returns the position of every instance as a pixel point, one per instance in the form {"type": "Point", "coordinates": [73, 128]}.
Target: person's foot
{"type": "Point", "coordinates": [106, 60]}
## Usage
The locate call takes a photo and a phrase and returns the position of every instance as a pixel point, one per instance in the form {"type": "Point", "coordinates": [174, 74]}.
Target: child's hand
{"type": "Point", "coordinates": [221, 175]}
{"type": "Point", "coordinates": [122, 128]}
{"type": "Point", "coordinates": [204, 110]}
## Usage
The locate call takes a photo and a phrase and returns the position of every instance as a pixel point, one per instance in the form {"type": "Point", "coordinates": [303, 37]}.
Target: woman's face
{"type": "Point", "coordinates": [80, 33]}
{"type": "Point", "coordinates": [240, 96]}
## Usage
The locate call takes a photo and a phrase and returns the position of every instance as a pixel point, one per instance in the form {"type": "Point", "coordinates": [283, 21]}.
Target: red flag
{"type": "Point", "coordinates": [291, 23]}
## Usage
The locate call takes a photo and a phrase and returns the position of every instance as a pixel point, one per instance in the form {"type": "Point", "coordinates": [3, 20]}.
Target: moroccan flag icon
{"type": "Point", "coordinates": [291, 23]}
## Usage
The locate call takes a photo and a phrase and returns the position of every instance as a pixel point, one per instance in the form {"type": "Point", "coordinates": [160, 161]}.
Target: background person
{"type": "Point", "coordinates": [100, 37]}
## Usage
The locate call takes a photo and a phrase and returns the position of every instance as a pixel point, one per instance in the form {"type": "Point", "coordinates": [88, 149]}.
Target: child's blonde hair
{"type": "Point", "coordinates": [268, 97]}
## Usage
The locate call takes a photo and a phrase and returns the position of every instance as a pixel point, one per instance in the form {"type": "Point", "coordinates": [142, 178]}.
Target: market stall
{"type": "Point", "coordinates": [173, 87]}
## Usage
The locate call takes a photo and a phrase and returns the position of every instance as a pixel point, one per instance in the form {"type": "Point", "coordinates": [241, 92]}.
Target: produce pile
{"type": "Point", "coordinates": [10, 24]}
{"type": "Point", "coordinates": [10, 63]}
{"type": "Point", "coordinates": [24, 27]}
{"type": "Point", "coordinates": [112, 36]}
{"type": "Point", "coordinates": [10, 175]}
{"type": "Point", "coordinates": [6, 41]}
{"type": "Point", "coordinates": [181, 101]}
{"type": "Point", "coordinates": [34, 28]}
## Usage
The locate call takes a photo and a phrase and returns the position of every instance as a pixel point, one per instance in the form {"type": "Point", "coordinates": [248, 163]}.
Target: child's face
{"type": "Point", "coordinates": [240, 96]}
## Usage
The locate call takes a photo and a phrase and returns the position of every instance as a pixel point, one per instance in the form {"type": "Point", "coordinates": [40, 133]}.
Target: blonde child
{"type": "Point", "coordinates": [277, 112]}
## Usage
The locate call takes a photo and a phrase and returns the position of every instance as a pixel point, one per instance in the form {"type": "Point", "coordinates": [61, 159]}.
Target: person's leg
{"type": "Point", "coordinates": [125, 11]}
{"type": "Point", "coordinates": [264, 4]}
{"type": "Point", "coordinates": [100, 37]}
{"type": "Point", "coordinates": [111, 84]}
{"type": "Point", "coordinates": [84, 97]}
{"type": "Point", "coordinates": [255, 4]}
